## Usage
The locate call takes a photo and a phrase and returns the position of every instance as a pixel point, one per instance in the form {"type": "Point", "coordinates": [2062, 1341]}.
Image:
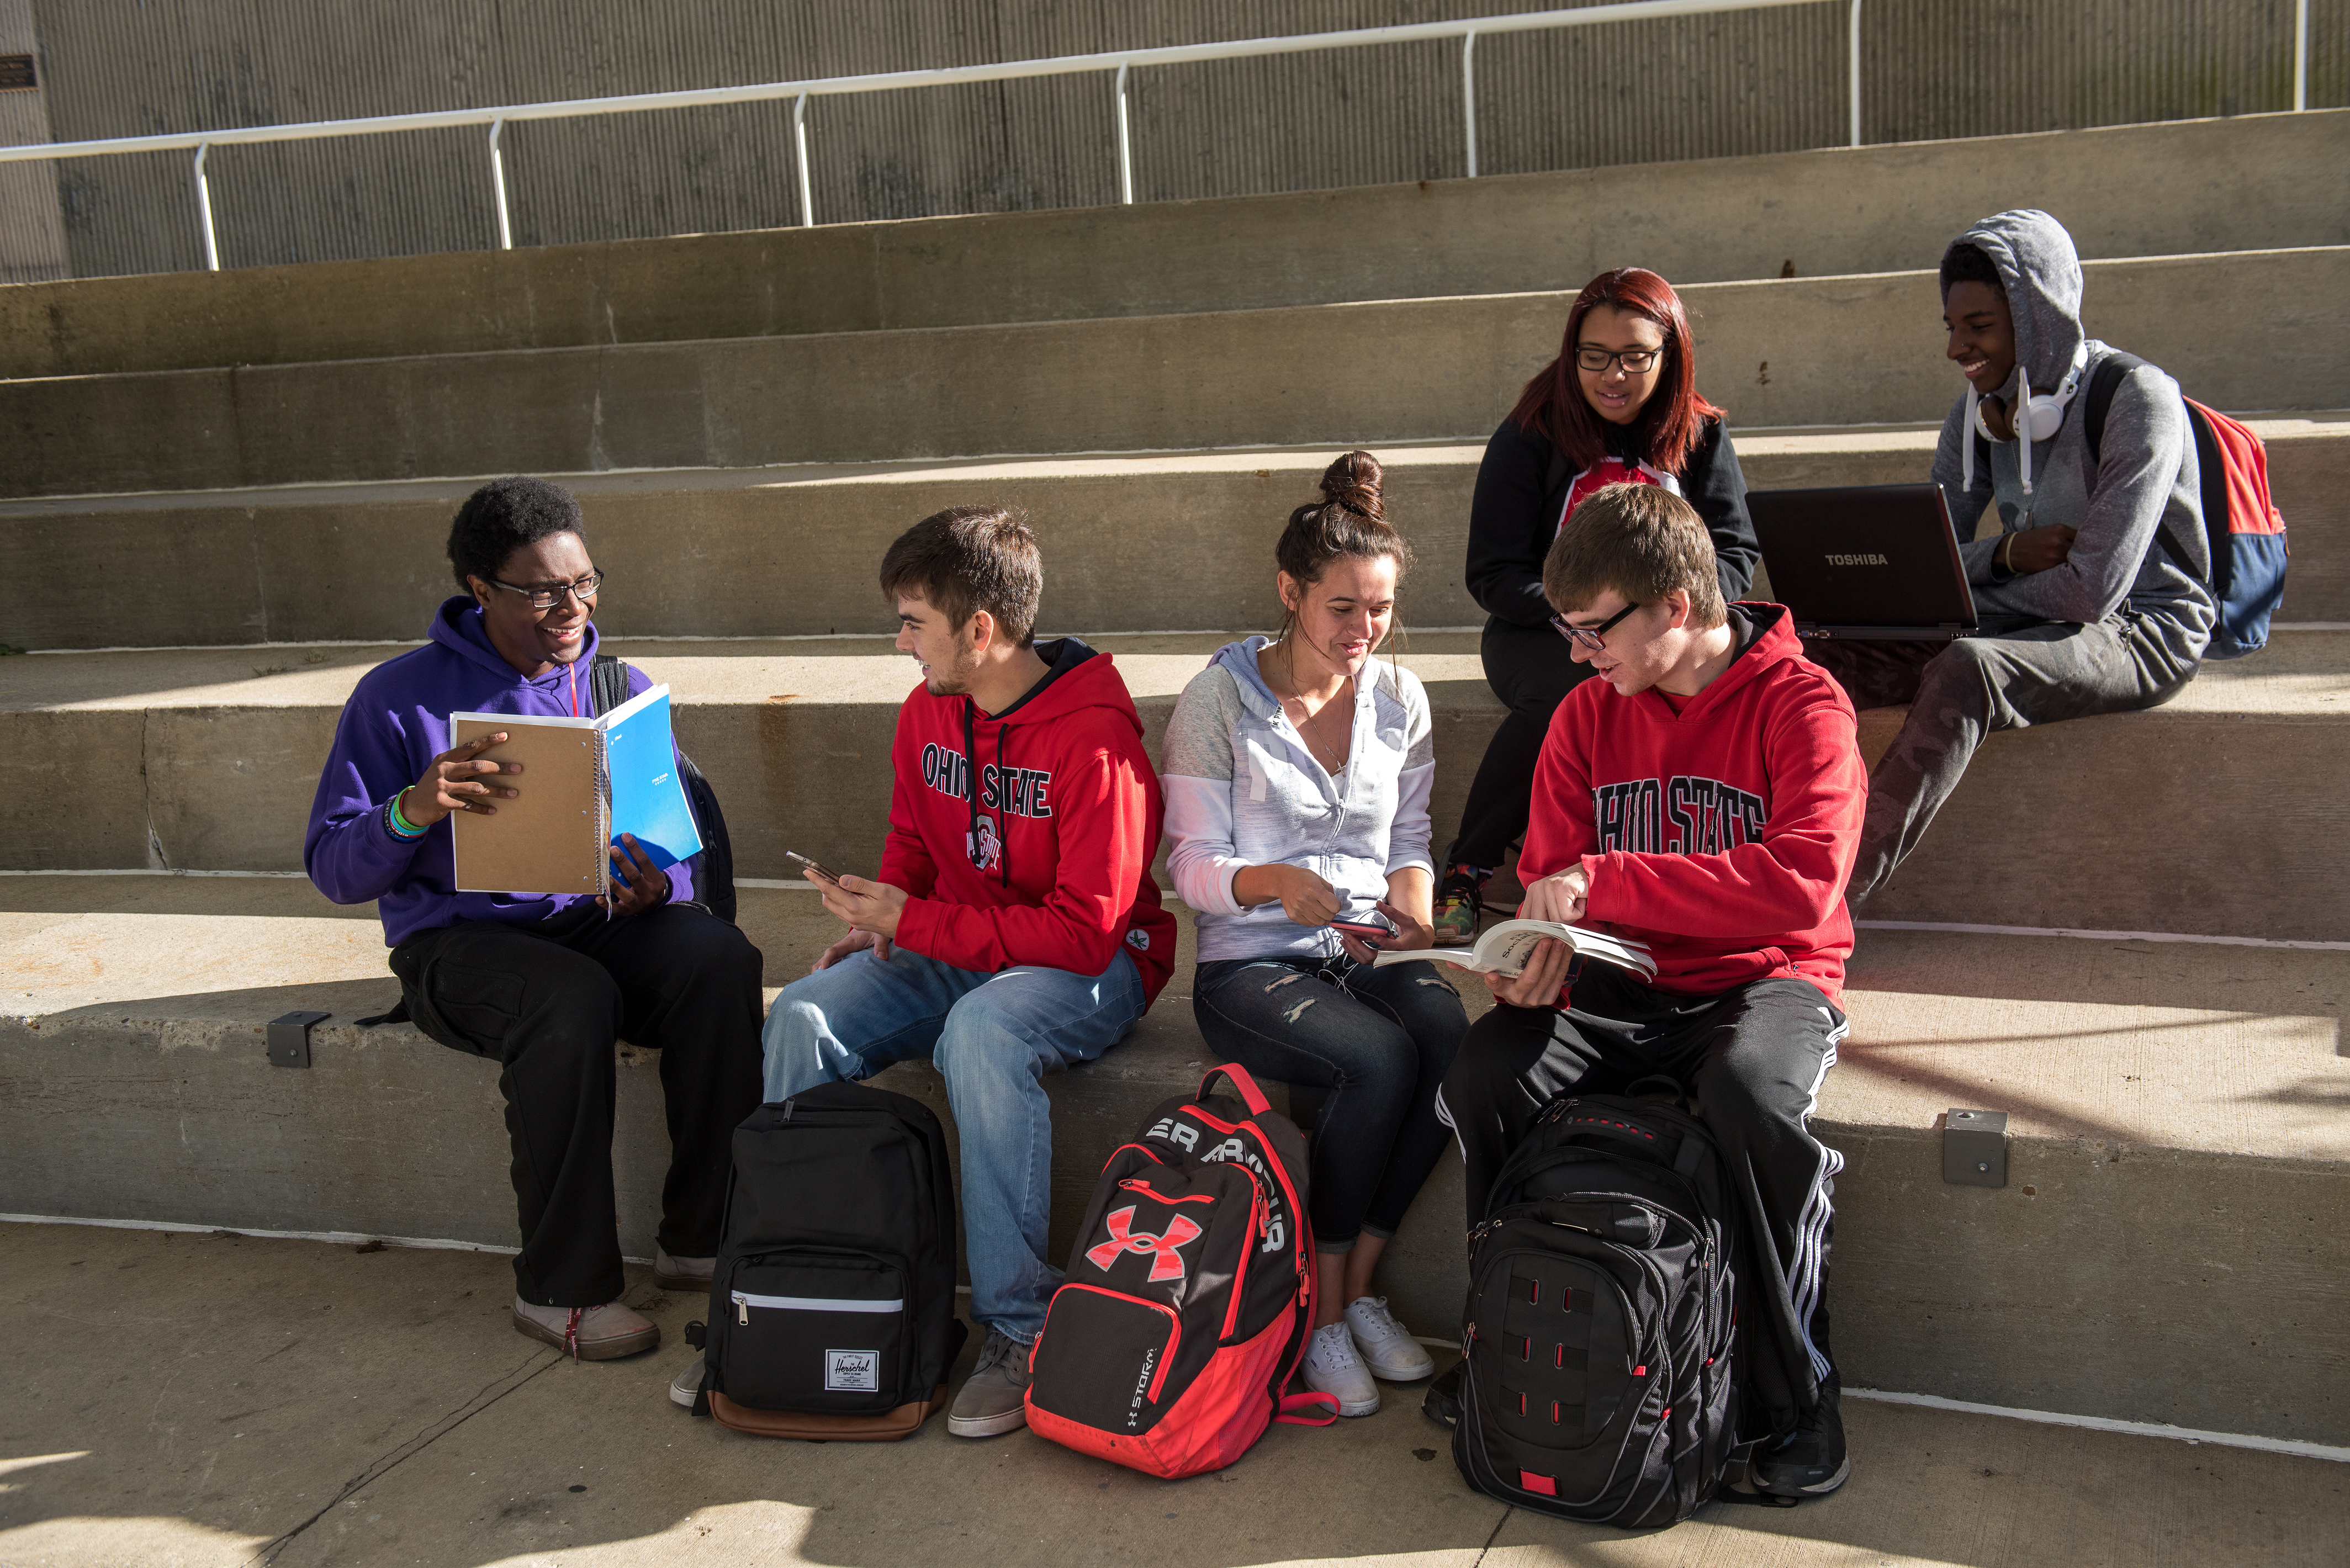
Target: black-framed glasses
{"type": "Point", "coordinates": [1590, 638]}
{"type": "Point", "coordinates": [548, 598]}
{"type": "Point", "coordinates": [1636, 361]}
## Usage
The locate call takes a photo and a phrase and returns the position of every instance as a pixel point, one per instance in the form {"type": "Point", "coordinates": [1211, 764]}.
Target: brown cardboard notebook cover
{"type": "Point", "coordinates": [549, 838]}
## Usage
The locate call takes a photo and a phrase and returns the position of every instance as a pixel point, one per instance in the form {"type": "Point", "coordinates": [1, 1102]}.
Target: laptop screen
{"type": "Point", "coordinates": [1878, 560]}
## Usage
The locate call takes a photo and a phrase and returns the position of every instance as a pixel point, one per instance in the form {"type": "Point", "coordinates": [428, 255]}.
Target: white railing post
{"type": "Point", "coordinates": [1469, 94]}
{"type": "Point", "coordinates": [204, 212]}
{"type": "Point", "coordinates": [1125, 144]}
{"type": "Point", "coordinates": [498, 186]}
{"type": "Point", "coordinates": [799, 157]}
{"type": "Point", "coordinates": [2300, 56]}
{"type": "Point", "coordinates": [1854, 49]}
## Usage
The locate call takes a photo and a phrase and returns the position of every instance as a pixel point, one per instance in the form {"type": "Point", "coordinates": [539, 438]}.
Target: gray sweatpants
{"type": "Point", "coordinates": [2014, 674]}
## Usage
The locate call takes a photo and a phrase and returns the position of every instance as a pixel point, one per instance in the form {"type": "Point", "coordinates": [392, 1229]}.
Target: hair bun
{"type": "Point", "coordinates": [1353, 481]}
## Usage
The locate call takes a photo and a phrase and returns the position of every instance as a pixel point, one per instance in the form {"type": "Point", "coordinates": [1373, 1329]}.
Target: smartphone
{"type": "Point", "coordinates": [1365, 921]}
{"type": "Point", "coordinates": [815, 871]}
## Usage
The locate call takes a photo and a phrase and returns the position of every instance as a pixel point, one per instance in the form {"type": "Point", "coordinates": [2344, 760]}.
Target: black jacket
{"type": "Point", "coordinates": [1521, 484]}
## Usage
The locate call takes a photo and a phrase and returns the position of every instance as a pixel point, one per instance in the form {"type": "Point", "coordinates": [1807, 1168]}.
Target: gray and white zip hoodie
{"type": "Point", "coordinates": [2147, 478]}
{"type": "Point", "coordinates": [1242, 790]}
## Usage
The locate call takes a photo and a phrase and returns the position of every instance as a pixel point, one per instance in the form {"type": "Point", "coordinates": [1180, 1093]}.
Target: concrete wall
{"type": "Point", "coordinates": [1626, 93]}
{"type": "Point", "coordinates": [2257, 183]}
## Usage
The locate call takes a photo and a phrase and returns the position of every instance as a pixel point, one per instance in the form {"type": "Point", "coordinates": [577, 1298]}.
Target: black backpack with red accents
{"type": "Point", "coordinates": [1600, 1382]}
{"type": "Point", "coordinates": [1190, 1295]}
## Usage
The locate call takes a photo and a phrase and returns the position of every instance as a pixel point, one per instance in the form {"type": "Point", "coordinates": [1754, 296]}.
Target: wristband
{"type": "Point", "coordinates": [2007, 551]}
{"type": "Point", "coordinates": [400, 826]}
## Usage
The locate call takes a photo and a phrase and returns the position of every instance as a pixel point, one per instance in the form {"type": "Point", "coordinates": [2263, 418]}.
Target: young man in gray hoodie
{"type": "Point", "coordinates": [2092, 596]}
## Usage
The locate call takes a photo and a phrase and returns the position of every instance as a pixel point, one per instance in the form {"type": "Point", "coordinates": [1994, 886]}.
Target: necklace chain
{"type": "Point", "coordinates": [1296, 695]}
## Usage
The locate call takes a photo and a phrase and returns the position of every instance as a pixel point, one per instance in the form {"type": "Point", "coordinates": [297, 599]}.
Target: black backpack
{"type": "Point", "coordinates": [832, 1310]}
{"type": "Point", "coordinates": [1599, 1383]}
{"type": "Point", "coordinates": [713, 867]}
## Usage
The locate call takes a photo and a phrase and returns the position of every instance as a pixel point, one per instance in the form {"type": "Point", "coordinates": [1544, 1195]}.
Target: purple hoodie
{"type": "Point", "coordinates": [396, 722]}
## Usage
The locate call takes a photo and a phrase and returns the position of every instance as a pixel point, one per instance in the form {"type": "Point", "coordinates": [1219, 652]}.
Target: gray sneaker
{"type": "Point", "coordinates": [993, 1399]}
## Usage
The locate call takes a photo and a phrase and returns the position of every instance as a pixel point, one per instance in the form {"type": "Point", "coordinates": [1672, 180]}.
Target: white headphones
{"type": "Point", "coordinates": [2040, 418]}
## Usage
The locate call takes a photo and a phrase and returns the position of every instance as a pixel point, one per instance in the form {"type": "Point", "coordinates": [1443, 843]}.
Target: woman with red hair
{"type": "Point", "coordinates": [1620, 404]}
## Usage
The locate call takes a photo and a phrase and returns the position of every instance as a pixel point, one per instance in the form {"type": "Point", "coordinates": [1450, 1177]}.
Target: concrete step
{"type": "Point", "coordinates": [492, 1435]}
{"type": "Point", "coordinates": [1180, 540]}
{"type": "Point", "coordinates": [2177, 1171]}
{"type": "Point", "coordinates": [1839, 350]}
{"type": "Point", "coordinates": [208, 759]}
{"type": "Point", "coordinates": [2251, 182]}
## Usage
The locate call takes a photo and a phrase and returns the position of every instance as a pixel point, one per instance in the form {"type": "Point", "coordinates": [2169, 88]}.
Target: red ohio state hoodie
{"type": "Point", "coordinates": [1050, 864]}
{"type": "Point", "coordinates": [1720, 835]}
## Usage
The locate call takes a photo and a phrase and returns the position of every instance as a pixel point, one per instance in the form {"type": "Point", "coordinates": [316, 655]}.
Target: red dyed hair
{"type": "Point", "coordinates": [1553, 405]}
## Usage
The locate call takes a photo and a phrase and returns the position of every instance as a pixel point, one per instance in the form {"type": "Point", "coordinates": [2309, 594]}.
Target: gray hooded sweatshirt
{"type": "Point", "coordinates": [1243, 789]}
{"type": "Point", "coordinates": [2147, 478]}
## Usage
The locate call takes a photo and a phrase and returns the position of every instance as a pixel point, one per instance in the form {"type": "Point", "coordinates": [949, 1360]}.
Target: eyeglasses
{"type": "Point", "coordinates": [1590, 638]}
{"type": "Point", "coordinates": [581, 588]}
{"type": "Point", "coordinates": [1636, 361]}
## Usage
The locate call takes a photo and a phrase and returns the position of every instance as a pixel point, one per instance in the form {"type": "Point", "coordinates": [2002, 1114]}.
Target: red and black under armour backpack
{"type": "Point", "coordinates": [1190, 1295]}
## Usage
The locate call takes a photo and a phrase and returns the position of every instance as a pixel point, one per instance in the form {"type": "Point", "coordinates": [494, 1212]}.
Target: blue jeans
{"type": "Point", "coordinates": [1379, 1040]}
{"type": "Point", "coordinates": [994, 1037]}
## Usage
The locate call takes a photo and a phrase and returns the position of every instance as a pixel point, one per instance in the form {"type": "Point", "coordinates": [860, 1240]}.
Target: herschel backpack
{"type": "Point", "coordinates": [1600, 1382]}
{"type": "Point", "coordinates": [832, 1310]}
{"type": "Point", "coordinates": [1190, 1295]}
{"type": "Point", "coordinates": [2244, 530]}
{"type": "Point", "coordinates": [713, 867]}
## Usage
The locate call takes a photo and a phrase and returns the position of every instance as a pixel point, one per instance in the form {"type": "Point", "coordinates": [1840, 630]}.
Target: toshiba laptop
{"type": "Point", "coordinates": [1865, 561]}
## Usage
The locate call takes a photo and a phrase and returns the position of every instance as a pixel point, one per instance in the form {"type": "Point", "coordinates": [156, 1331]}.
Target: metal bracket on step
{"type": "Point", "coordinates": [289, 1038]}
{"type": "Point", "coordinates": [1974, 1149]}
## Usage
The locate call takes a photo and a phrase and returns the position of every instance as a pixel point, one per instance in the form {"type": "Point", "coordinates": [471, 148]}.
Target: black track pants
{"type": "Point", "coordinates": [548, 1000]}
{"type": "Point", "coordinates": [1530, 670]}
{"type": "Point", "coordinates": [1753, 1059]}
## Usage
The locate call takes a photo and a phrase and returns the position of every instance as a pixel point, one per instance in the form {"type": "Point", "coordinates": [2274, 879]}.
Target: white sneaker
{"type": "Point", "coordinates": [1332, 1368]}
{"type": "Point", "coordinates": [686, 1386]}
{"type": "Point", "coordinates": [1386, 1348]}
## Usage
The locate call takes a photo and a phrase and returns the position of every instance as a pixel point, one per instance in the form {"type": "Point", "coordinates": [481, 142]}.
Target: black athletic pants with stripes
{"type": "Point", "coordinates": [548, 1000]}
{"type": "Point", "coordinates": [1752, 1060]}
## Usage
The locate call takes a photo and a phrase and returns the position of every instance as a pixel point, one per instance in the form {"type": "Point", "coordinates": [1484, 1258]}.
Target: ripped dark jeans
{"type": "Point", "coordinates": [1379, 1040]}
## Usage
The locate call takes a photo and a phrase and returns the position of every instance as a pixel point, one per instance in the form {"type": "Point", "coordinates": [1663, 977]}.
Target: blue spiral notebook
{"type": "Point", "coordinates": [584, 783]}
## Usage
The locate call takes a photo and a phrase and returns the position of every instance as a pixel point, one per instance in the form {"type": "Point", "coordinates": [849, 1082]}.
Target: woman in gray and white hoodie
{"type": "Point", "coordinates": [1296, 776]}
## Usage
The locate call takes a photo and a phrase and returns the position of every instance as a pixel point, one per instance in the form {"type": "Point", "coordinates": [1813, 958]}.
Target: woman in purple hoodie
{"type": "Point", "coordinates": [543, 985]}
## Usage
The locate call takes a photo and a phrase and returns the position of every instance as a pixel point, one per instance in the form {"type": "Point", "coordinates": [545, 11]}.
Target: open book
{"type": "Point", "coordinates": [1505, 949]}
{"type": "Point", "coordinates": [584, 783]}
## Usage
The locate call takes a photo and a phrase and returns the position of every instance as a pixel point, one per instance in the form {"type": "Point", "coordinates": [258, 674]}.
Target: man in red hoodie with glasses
{"type": "Point", "coordinates": [1705, 795]}
{"type": "Point", "coordinates": [1014, 927]}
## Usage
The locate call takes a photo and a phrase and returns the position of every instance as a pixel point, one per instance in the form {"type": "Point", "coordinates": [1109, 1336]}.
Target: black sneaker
{"type": "Point", "coordinates": [1810, 1461]}
{"type": "Point", "coordinates": [1442, 1404]}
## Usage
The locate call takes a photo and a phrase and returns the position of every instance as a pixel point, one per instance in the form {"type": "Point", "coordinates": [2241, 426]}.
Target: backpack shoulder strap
{"type": "Point", "coordinates": [608, 682]}
{"type": "Point", "coordinates": [2099, 399]}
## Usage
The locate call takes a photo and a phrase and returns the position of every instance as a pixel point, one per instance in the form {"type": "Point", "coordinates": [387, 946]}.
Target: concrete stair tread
{"type": "Point", "coordinates": [788, 549]}
{"type": "Point", "coordinates": [2252, 181]}
{"type": "Point", "coordinates": [492, 1426]}
{"type": "Point", "coordinates": [2124, 1044]}
{"type": "Point", "coordinates": [1365, 372]}
{"type": "Point", "coordinates": [2176, 1130]}
{"type": "Point", "coordinates": [2300, 676]}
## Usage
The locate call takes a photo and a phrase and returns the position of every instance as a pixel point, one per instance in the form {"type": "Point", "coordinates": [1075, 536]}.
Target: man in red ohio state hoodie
{"type": "Point", "coordinates": [1014, 927]}
{"type": "Point", "coordinates": [1703, 797]}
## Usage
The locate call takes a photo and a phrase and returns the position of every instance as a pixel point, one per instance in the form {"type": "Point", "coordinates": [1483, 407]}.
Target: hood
{"type": "Point", "coordinates": [1767, 638]}
{"type": "Point", "coordinates": [1239, 659]}
{"type": "Point", "coordinates": [1076, 677]}
{"type": "Point", "coordinates": [2041, 273]}
{"type": "Point", "coordinates": [457, 626]}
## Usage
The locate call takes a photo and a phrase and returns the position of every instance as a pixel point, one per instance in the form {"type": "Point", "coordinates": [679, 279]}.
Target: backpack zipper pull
{"type": "Point", "coordinates": [743, 1312]}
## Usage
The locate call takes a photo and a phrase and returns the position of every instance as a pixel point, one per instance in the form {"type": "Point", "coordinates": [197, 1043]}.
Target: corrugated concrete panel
{"type": "Point", "coordinates": [32, 233]}
{"type": "Point", "coordinates": [1700, 86]}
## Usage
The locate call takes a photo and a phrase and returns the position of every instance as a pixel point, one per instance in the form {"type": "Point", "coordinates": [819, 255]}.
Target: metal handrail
{"type": "Point", "coordinates": [1119, 61]}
